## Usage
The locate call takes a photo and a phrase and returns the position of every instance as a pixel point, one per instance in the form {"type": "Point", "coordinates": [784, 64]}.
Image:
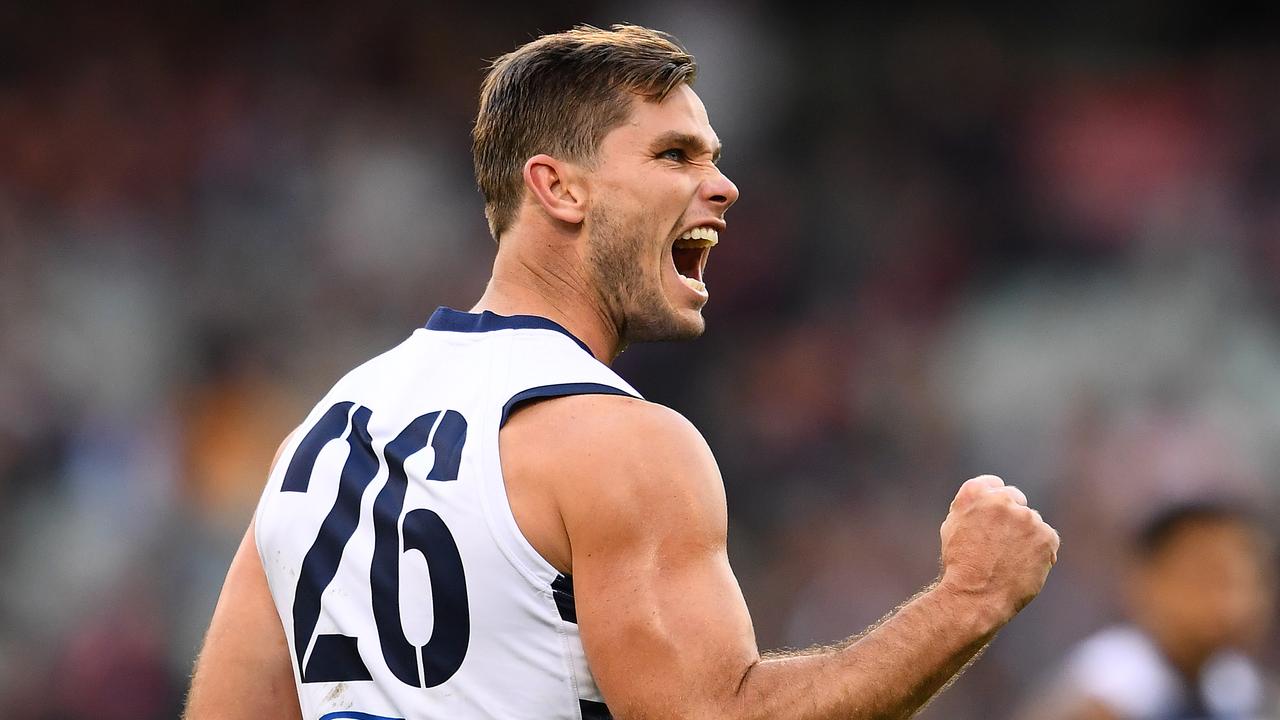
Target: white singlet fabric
{"type": "Point", "coordinates": [404, 585]}
{"type": "Point", "coordinates": [1123, 669]}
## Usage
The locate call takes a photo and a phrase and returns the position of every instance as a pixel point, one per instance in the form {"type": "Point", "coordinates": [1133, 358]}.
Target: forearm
{"type": "Point", "coordinates": [889, 672]}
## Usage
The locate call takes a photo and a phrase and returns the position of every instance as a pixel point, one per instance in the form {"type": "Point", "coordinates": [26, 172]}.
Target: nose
{"type": "Point", "coordinates": [719, 190]}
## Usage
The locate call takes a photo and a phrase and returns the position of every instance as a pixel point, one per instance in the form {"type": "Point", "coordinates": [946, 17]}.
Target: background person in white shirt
{"type": "Point", "coordinates": [1200, 595]}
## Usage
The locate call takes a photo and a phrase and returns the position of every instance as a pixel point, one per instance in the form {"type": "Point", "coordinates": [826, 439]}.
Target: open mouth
{"type": "Point", "coordinates": [689, 254]}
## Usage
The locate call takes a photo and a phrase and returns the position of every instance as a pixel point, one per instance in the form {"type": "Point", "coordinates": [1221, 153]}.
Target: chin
{"type": "Point", "coordinates": [692, 325]}
{"type": "Point", "coordinates": [686, 324]}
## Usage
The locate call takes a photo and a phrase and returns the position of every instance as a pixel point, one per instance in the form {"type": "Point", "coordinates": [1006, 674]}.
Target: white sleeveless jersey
{"type": "Point", "coordinates": [405, 588]}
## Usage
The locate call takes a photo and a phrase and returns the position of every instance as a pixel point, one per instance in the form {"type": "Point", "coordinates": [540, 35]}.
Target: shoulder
{"type": "Point", "coordinates": [1116, 645]}
{"type": "Point", "coordinates": [616, 458]}
{"type": "Point", "coordinates": [1120, 667]}
{"type": "Point", "coordinates": [582, 428]}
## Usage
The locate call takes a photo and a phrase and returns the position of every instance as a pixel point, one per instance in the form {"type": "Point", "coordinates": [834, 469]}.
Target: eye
{"type": "Point", "coordinates": [675, 154]}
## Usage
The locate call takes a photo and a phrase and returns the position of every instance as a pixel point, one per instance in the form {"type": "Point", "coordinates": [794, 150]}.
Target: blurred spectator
{"type": "Point", "coordinates": [1200, 594]}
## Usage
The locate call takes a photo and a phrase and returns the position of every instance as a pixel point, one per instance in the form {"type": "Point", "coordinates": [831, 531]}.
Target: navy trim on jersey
{"type": "Point", "coordinates": [549, 391]}
{"type": "Point", "coordinates": [450, 320]}
{"type": "Point", "coordinates": [592, 710]}
{"type": "Point", "coordinates": [562, 593]}
{"type": "Point", "coordinates": [353, 715]}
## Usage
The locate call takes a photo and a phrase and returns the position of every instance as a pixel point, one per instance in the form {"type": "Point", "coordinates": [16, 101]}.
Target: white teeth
{"type": "Point", "coordinates": [697, 285]}
{"type": "Point", "coordinates": [699, 237]}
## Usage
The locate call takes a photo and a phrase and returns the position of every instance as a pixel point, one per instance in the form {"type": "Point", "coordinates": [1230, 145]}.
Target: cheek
{"type": "Point", "coordinates": [664, 188]}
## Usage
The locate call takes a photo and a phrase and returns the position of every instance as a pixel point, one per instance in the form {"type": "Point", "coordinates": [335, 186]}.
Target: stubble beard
{"type": "Point", "coordinates": [636, 303]}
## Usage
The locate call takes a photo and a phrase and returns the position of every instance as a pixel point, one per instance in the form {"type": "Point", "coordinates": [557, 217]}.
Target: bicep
{"type": "Point", "coordinates": [665, 637]}
{"type": "Point", "coordinates": [663, 620]}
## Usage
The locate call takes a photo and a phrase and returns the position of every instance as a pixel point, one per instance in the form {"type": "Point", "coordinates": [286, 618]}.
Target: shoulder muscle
{"type": "Point", "coordinates": [624, 463]}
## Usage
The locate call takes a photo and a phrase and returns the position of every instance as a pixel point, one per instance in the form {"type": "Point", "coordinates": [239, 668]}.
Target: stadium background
{"type": "Point", "coordinates": [1041, 243]}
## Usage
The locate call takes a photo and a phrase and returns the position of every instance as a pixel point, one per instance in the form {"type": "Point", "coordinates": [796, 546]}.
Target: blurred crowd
{"type": "Point", "coordinates": [1041, 243]}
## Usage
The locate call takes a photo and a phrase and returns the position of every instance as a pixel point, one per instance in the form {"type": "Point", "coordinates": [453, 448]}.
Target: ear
{"type": "Point", "coordinates": [555, 187]}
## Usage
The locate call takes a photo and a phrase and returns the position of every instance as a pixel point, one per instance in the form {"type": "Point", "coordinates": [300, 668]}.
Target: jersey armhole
{"type": "Point", "coordinates": [510, 538]}
{"type": "Point", "coordinates": [283, 455]}
{"type": "Point", "coordinates": [544, 392]}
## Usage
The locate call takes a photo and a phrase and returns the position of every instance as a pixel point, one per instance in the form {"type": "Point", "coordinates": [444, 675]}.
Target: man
{"type": "Point", "coordinates": [573, 534]}
{"type": "Point", "coordinates": [1200, 592]}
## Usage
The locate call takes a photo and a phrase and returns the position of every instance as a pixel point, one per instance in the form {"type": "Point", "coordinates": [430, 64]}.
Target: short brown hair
{"type": "Point", "coordinates": [561, 94]}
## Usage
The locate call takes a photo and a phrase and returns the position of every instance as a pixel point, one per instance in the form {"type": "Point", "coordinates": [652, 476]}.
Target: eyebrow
{"type": "Point", "coordinates": [689, 142]}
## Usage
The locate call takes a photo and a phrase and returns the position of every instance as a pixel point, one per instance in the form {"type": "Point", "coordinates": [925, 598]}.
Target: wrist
{"type": "Point", "coordinates": [981, 614]}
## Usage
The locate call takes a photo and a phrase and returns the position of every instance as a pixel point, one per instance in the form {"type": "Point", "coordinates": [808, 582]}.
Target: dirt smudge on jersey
{"type": "Point", "coordinates": [337, 696]}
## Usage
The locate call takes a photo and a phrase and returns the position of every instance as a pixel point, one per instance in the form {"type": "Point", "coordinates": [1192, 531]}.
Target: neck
{"type": "Point", "coordinates": [552, 286]}
{"type": "Point", "coordinates": [1185, 657]}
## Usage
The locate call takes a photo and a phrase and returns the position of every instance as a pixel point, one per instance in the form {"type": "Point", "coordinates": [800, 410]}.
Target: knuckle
{"type": "Point", "coordinates": [981, 482]}
{"type": "Point", "coordinates": [1006, 504]}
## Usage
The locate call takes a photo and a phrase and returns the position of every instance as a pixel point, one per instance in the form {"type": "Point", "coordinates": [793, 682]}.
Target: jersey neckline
{"type": "Point", "coordinates": [450, 320]}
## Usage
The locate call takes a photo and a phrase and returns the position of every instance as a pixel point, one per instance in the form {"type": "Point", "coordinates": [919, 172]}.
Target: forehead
{"type": "Point", "coordinates": [681, 111]}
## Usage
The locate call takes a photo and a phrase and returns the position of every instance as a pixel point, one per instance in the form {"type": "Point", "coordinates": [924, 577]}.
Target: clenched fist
{"type": "Point", "coordinates": [996, 549]}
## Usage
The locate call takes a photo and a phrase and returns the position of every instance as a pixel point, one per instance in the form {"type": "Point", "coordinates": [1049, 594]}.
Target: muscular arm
{"type": "Point", "coordinates": [889, 672]}
{"type": "Point", "coordinates": [663, 621]}
{"type": "Point", "coordinates": [244, 671]}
